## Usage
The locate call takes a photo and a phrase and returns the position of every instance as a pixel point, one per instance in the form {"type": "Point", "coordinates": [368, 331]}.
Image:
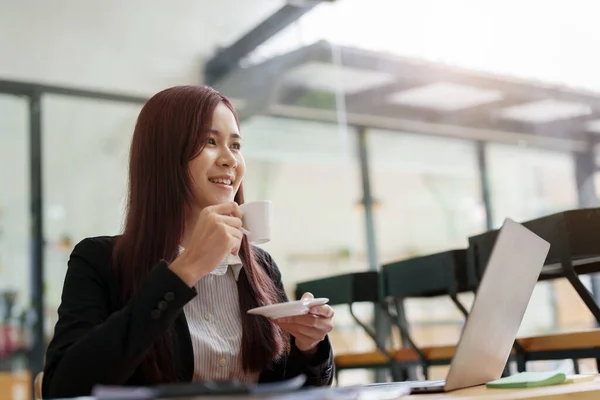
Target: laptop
{"type": "Point", "coordinates": [493, 323]}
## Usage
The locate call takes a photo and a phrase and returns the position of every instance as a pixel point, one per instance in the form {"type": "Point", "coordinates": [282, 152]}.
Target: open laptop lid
{"type": "Point", "coordinates": [502, 298]}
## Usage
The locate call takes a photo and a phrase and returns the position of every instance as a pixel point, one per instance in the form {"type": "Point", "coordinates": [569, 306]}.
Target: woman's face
{"type": "Point", "coordinates": [218, 170]}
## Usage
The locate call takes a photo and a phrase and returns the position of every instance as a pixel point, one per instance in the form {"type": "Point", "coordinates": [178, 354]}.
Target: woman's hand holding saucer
{"type": "Point", "coordinates": [309, 329]}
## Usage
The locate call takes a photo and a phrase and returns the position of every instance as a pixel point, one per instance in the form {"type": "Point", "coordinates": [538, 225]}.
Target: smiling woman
{"type": "Point", "coordinates": [152, 305]}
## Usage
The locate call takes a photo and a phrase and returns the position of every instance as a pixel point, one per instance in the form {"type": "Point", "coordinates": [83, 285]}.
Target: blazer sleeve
{"type": "Point", "coordinates": [93, 346]}
{"type": "Point", "coordinates": [319, 368]}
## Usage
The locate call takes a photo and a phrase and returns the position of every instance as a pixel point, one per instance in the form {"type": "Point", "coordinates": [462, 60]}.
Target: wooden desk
{"type": "Point", "coordinates": [589, 390]}
{"type": "Point", "coordinates": [574, 391]}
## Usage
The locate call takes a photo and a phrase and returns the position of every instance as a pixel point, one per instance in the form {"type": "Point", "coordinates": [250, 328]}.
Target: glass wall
{"type": "Point", "coordinates": [428, 193]}
{"type": "Point", "coordinates": [428, 200]}
{"type": "Point", "coordinates": [14, 227]}
{"type": "Point", "coordinates": [311, 174]}
{"type": "Point", "coordinates": [85, 145]}
{"type": "Point", "coordinates": [527, 183]}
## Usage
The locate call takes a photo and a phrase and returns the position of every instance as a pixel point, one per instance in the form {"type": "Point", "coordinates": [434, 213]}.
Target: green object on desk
{"type": "Point", "coordinates": [528, 380]}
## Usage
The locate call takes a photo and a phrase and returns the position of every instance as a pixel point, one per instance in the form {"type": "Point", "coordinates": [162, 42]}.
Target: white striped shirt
{"type": "Point", "coordinates": [215, 325]}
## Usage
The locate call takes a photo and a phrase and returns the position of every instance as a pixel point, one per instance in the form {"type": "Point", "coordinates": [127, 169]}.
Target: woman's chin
{"type": "Point", "coordinates": [215, 201]}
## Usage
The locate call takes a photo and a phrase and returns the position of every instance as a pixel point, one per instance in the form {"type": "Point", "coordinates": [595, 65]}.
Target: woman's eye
{"type": "Point", "coordinates": [236, 146]}
{"type": "Point", "coordinates": [211, 141]}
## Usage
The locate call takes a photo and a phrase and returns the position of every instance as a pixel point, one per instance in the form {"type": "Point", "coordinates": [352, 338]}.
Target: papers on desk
{"type": "Point", "coordinates": [377, 392]}
{"type": "Point", "coordinates": [383, 392]}
{"type": "Point", "coordinates": [579, 378]}
{"type": "Point", "coordinates": [195, 389]}
{"type": "Point", "coordinates": [124, 393]}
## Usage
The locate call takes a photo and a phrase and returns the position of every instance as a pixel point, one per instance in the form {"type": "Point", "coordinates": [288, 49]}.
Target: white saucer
{"type": "Point", "coordinates": [289, 309]}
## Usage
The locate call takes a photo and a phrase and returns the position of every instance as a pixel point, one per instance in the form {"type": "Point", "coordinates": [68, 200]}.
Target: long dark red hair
{"type": "Point", "coordinates": [171, 130]}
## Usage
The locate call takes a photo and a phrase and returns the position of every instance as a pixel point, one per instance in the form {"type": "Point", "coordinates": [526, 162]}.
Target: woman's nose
{"type": "Point", "coordinates": [227, 159]}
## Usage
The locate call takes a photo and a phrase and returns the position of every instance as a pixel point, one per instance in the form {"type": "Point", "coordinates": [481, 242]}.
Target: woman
{"type": "Point", "coordinates": [166, 301]}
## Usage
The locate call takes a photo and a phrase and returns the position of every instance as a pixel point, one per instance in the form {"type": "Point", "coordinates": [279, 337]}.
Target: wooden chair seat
{"type": "Point", "coordinates": [15, 385]}
{"type": "Point", "coordinates": [357, 360]}
{"type": "Point", "coordinates": [562, 341]}
{"type": "Point", "coordinates": [543, 343]}
{"type": "Point", "coordinates": [405, 354]}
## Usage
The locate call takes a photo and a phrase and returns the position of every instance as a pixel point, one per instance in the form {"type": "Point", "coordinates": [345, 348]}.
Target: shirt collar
{"type": "Point", "coordinates": [232, 261]}
{"type": "Point", "coordinates": [235, 263]}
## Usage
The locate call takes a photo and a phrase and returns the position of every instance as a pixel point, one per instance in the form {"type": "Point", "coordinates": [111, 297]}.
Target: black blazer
{"type": "Point", "coordinates": [99, 340]}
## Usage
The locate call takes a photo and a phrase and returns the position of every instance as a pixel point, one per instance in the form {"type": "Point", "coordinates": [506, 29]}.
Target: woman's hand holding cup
{"type": "Point", "coordinates": [217, 233]}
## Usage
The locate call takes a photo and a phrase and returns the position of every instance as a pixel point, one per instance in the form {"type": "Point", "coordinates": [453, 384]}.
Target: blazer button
{"type": "Point", "coordinates": [169, 296]}
{"type": "Point", "coordinates": [162, 305]}
{"type": "Point", "coordinates": [155, 314]}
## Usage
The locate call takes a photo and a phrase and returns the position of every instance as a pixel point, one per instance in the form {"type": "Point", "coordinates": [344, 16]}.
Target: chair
{"type": "Point", "coordinates": [440, 274]}
{"type": "Point", "coordinates": [574, 249]}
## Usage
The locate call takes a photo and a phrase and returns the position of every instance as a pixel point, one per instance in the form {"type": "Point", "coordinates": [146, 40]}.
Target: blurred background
{"type": "Point", "coordinates": [380, 129]}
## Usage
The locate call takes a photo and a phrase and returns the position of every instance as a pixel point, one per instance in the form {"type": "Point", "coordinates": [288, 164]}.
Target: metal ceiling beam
{"type": "Point", "coordinates": [228, 58]}
{"type": "Point", "coordinates": [415, 73]}
{"type": "Point", "coordinates": [257, 85]}
{"type": "Point", "coordinates": [30, 89]}
{"type": "Point", "coordinates": [569, 128]}
{"type": "Point", "coordinates": [429, 128]}
{"type": "Point", "coordinates": [369, 100]}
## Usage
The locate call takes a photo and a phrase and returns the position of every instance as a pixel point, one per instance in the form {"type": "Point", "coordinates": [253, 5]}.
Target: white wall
{"type": "Point", "coordinates": [133, 46]}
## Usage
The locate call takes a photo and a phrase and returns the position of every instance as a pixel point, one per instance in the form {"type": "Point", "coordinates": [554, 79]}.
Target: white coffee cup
{"type": "Point", "coordinates": [256, 221]}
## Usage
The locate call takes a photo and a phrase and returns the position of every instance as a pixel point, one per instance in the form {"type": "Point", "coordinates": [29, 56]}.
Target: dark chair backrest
{"type": "Point", "coordinates": [582, 228]}
{"type": "Point", "coordinates": [571, 233]}
{"type": "Point", "coordinates": [344, 289]}
{"type": "Point", "coordinates": [431, 275]}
